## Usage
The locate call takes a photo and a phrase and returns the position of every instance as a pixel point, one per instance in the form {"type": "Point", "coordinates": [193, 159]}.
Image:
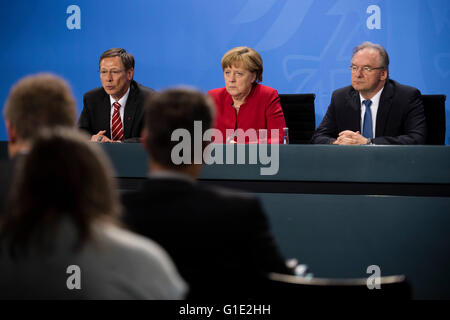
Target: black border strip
{"type": "Point", "coordinates": [311, 187]}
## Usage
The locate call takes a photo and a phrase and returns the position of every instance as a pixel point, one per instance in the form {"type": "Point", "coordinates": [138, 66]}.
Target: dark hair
{"type": "Point", "coordinates": [37, 101]}
{"type": "Point", "coordinates": [63, 176]}
{"type": "Point", "coordinates": [170, 110]}
{"type": "Point", "coordinates": [384, 57]}
{"type": "Point", "coordinates": [127, 58]}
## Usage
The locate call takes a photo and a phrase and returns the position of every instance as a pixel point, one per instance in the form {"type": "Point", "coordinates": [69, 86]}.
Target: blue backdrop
{"type": "Point", "coordinates": [306, 45]}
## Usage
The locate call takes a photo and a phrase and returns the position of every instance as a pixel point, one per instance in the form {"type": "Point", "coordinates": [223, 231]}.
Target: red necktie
{"type": "Point", "coordinates": [117, 129]}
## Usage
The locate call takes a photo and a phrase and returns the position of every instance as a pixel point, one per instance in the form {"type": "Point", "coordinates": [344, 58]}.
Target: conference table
{"type": "Point", "coordinates": [341, 209]}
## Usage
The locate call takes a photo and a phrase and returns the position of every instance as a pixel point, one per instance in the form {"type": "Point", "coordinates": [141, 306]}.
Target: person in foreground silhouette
{"type": "Point", "coordinates": [61, 237]}
{"type": "Point", "coordinates": [219, 239]}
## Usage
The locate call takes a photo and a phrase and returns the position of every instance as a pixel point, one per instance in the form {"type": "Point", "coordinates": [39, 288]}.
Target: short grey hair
{"type": "Point", "coordinates": [384, 57]}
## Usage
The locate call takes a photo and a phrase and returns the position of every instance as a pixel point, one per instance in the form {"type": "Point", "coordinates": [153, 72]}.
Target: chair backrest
{"type": "Point", "coordinates": [300, 116]}
{"type": "Point", "coordinates": [434, 108]}
{"type": "Point", "coordinates": [293, 288]}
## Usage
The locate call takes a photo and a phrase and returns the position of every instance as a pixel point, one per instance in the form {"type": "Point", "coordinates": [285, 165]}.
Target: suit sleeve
{"type": "Point", "coordinates": [275, 116]}
{"type": "Point", "coordinates": [327, 131]}
{"type": "Point", "coordinates": [414, 124]}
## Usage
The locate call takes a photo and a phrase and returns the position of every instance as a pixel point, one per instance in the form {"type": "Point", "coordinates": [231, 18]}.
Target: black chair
{"type": "Point", "coordinates": [434, 108]}
{"type": "Point", "coordinates": [300, 116]}
{"type": "Point", "coordinates": [288, 287]}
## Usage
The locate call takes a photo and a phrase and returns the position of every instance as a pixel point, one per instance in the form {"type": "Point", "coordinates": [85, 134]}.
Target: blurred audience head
{"type": "Point", "coordinates": [63, 177]}
{"type": "Point", "coordinates": [35, 102]}
{"type": "Point", "coordinates": [168, 111]}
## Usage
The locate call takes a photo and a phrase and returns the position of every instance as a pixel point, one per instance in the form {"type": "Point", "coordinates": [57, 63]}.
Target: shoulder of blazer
{"type": "Point", "coordinates": [138, 89]}
{"type": "Point", "coordinates": [241, 202]}
{"type": "Point", "coordinates": [265, 90]}
{"type": "Point", "coordinates": [218, 93]}
{"type": "Point", "coordinates": [395, 87]}
{"type": "Point", "coordinates": [97, 93]}
{"type": "Point", "coordinates": [263, 93]}
{"type": "Point", "coordinates": [344, 92]}
{"type": "Point", "coordinates": [345, 96]}
{"type": "Point", "coordinates": [207, 192]}
{"type": "Point", "coordinates": [390, 88]}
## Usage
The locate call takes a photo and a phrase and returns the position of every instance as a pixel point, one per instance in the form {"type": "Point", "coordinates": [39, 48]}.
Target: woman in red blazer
{"type": "Point", "coordinates": [245, 104]}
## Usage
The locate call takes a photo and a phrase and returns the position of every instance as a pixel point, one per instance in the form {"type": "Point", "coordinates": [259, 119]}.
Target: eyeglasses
{"type": "Point", "coordinates": [112, 72]}
{"type": "Point", "coordinates": [364, 69]}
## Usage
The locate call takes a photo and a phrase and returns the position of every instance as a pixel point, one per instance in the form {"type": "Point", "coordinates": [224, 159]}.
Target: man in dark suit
{"type": "Point", "coordinates": [219, 240]}
{"type": "Point", "coordinates": [374, 109]}
{"type": "Point", "coordinates": [35, 102]}
{"type": "Point", "coordinates": [113, 112]}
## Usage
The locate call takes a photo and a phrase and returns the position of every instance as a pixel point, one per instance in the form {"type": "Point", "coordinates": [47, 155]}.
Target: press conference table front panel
{"type": "Point", "coordinates": [315, 169]}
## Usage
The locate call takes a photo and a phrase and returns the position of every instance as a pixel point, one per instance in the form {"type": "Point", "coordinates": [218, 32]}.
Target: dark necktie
{"type": "Point", "coordinates": [116, 129]}
{"type": "Point", "coordinates": [367, 124]}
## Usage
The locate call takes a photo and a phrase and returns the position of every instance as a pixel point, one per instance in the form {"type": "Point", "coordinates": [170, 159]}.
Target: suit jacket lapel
{"type": "Point", "coordinates": [355, 105]}
{"type": "Point", "coordinates": [130, 110]}
{"type": "Point", "coordinates": [106, 115]}
{"type": "Point", "coordinates": [383, 108]}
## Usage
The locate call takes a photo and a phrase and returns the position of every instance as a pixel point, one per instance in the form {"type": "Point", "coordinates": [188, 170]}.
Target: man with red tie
{"type": "Point", "coordinates": [113, 112]}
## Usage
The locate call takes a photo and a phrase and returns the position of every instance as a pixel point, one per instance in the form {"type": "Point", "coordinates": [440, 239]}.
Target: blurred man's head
{"type": "Point", "coordinates": [36, 102]}
{"type": "Point", "coordinates": [168, 111]}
